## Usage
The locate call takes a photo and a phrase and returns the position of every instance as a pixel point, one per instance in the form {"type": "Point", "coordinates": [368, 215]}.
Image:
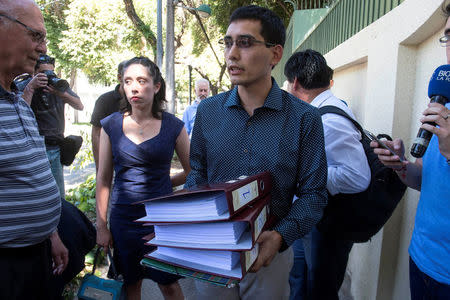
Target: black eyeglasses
{"type": "Point", "coordinates": [445, 40]}
{"type": "Point", "coordinates": [243, 42]}
{"type": "Point", "coordinates": [36, 36]}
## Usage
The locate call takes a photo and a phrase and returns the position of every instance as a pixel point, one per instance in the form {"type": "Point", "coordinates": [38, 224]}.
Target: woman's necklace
{"type": "Point", "coordinates": [141, 127]}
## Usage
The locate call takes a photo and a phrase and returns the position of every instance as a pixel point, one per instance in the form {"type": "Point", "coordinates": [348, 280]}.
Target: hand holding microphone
{"type": "Point", "coordinates": [435, 114]}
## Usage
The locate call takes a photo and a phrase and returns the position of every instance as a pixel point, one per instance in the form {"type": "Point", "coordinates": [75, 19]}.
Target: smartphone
{"type": "Point", "coordinates": [373, 137]}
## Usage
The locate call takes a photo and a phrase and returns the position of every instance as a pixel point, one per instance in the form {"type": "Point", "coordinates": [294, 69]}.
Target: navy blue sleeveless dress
{"type": "Point", "coordinates": [142, 171]}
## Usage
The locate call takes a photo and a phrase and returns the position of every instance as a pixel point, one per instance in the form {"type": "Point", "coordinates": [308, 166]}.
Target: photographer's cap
{"type": "Point", "coordinates": [44, 59]}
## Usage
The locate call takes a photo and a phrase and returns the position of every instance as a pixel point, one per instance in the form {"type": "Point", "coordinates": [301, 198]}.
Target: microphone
{"type": "Point", "coordinates": [439, 92]}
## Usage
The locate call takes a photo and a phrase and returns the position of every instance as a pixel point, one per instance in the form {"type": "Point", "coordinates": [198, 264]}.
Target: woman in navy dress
{"type": "Point", "coordinates": [139, 144]}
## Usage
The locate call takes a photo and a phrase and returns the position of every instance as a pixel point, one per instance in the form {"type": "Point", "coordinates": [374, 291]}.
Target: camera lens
{"type": "Point", "coordinates": [55, 82]}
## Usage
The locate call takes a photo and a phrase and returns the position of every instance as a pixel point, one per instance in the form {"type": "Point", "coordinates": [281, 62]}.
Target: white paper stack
{"type": "Point", "coordinates": [189, 208]}
{"type": "Point", "coordinates": [198, 233]}
{"type": "Point", "coordinates": [225, 260]}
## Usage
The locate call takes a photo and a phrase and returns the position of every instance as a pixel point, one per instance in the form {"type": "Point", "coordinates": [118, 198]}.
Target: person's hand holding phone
{"type": "Point", "coordinates": [390, 153]}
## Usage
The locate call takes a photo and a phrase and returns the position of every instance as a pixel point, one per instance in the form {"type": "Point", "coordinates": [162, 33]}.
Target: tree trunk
{"type": "Point", "coordinates": [140, 25]}
{"type": "Point", "coordinates": [170, 58]}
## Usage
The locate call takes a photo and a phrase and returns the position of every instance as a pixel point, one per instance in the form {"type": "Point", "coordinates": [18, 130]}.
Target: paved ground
{"type": "Point", "coordinates": [151, 291]}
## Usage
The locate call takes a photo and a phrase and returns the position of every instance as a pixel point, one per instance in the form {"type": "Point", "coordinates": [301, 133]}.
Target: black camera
{"type": "Point", "coordinates": [55, 82]}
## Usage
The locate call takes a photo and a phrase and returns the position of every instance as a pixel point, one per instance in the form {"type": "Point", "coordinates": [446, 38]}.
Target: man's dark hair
{"type": "Point", "coordinates": [153, 70]}
{"type": "Point", "coordinates": [272, 27]}
{"type": "Point", "coordinates": [446, 9]}
{"type": "Point", "coordinates": [310, 68]}
{"type": "Point", "coordinates": [44, 59]}
{"type": "Point", "coordinates": [120, 68]}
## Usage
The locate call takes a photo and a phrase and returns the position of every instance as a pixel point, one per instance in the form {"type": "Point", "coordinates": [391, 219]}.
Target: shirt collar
{"type": "Point", "coordinates": [4, 94]}
{"type": "Point", "coordinates": [317, 102]}
{"type": "Point", "coordinates": [273, 99]}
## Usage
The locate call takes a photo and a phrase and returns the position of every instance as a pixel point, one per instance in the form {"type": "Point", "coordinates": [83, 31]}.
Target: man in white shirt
{"type": "Point", "coordinates": [201, 92]}
{"type": "Point", "coordinates": [310, 79]}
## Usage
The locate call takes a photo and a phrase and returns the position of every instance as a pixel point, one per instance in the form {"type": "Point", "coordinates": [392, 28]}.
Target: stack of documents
{"type": "Point", "coordinates": [190, 207]}
{"type": "Point", "coordinates": [209, 231]}
{"type": "Point", "coordinates": [221, 259]}
{"type": "Point", "coordinates": [201, 233]}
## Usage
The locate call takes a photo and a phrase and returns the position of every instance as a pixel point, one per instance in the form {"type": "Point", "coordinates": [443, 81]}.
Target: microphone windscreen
{"type": "Point", "coordinates": [440, 82]}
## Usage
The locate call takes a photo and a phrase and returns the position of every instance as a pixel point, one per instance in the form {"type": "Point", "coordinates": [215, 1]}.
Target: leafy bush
{"type": "Point", "coordinates": [83, 197]}
{"type": "Point", "coordinates": [85, 156]}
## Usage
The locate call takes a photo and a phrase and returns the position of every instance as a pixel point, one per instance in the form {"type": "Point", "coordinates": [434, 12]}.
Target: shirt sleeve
{"type": "Point", "coordinates": [198, 174]}
{"type": "Point", "coordinates": [348, 169]}
{"type": "Point", "coordinates": [98, 112]}
{"type": "Point", "coordinates": [187, 124]}
{"type": "Point", "coordinates": [72, 93]}
{"type": "Point", "coordinates": [311, 191]}
{"type": "Point", "coordinates": [108, 122]}
{"type": "Point", "coordinates": [177, 126]}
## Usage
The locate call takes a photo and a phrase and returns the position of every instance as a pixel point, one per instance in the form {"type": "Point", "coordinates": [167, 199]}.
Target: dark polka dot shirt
{"type": "Point", "coordinates": [284, 137]}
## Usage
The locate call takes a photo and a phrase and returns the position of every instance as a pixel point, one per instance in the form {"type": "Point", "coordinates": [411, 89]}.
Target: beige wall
{"type": "Point", "coordinates": [383, 73]}
{"type": "Point", "coordinates": [350, 86]}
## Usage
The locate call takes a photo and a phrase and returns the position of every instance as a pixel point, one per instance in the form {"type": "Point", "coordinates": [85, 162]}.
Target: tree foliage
{"type": "Point", "coordinates": [143, 28]}
{"type": "Point", "coordinates": [216, 27]}
{"type": "Point", "coordinates": [94, 36]}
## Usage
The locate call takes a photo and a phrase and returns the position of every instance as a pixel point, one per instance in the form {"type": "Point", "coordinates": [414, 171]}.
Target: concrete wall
{"type": "Point", "coordinates": [383, 73]}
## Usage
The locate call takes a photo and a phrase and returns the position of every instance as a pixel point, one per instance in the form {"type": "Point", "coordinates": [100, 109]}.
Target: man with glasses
{"type": "Point", "coordinates": [29, 199]}
{"type": "Point", "coordinates": [429, 250]}
{"type": "Point", "coordinates": [258, 127]}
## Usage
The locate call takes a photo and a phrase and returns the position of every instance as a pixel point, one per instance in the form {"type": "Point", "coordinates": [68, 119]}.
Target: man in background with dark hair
{"type": "Point", "coordinates": [258, 127]}
{"type": "Point", "coordinates": [429, 249]}
{"type": "Point", "coordinates": [29, 196]}
{"type": "Point", "coordinates": [105, 105]}
{"type": "Point", "coordinates": [309, 79]}
{"type": "Point", "coordinates": [48, 104]}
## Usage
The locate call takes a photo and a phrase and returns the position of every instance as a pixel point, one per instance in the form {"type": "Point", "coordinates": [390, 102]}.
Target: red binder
{"type": "Point", "coordinates": [256, 216]}
{"type": "Point", "coordinates": [227, 199]}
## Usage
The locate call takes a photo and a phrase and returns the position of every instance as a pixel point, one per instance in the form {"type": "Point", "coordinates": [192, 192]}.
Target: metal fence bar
{"type": "Point", "coordinates": [346, 18]}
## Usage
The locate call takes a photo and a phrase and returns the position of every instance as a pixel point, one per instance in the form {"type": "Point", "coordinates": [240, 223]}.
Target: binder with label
{"type": "Point", "coordinates": [206, 203]}
{"type": "Point", "coordinates": [212, 236]}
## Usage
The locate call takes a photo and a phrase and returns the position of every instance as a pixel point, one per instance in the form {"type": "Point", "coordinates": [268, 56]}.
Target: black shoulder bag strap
{"type": "Point", "coordinates": [336, 110]}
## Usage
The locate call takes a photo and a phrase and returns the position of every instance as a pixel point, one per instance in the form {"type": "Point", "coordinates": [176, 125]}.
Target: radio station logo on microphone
{"type": "Point", "coordinates": [443, 75]}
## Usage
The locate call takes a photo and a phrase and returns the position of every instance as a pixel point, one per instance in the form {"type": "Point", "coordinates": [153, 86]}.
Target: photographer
{"type": "Point", "coordinates": [47, 95]}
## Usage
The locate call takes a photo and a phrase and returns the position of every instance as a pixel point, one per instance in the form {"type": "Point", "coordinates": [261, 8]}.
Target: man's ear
{"type": "Point", "coordinates": [296, 85]}
{"type": "Point", "coordinates": [277, 52]}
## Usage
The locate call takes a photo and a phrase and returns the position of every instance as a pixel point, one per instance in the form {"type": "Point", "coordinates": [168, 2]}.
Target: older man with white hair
{"type": "Point", "coordinates": [202, 92]}
{"type": "Point", "coordinates": [30, 204]}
